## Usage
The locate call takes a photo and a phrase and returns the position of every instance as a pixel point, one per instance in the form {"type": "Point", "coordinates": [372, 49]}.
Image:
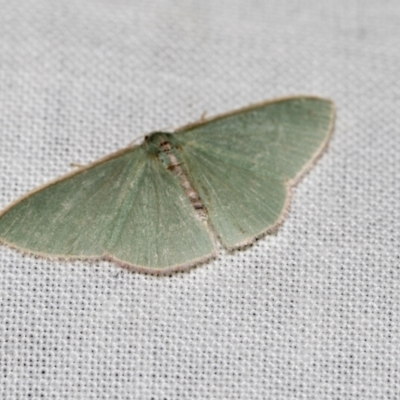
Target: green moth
{"type": "Point", "coordinates": [158, 206]}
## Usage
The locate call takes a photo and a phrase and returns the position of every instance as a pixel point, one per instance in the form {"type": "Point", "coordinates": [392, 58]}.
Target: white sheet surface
{"type": "Point", "coordinates": [312, 312]}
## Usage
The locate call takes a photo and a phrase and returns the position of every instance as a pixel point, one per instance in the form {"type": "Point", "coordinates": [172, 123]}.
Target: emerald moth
{"type": "Point", "coordinates": [162, 205]}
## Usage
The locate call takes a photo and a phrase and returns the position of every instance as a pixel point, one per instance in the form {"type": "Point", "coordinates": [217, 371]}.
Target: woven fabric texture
{"type": "Point", "coordinates": [311, 312]}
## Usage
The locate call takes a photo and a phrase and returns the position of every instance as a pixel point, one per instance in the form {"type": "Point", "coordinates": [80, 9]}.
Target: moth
{"type": "Point", "coordinates": [161, 206]}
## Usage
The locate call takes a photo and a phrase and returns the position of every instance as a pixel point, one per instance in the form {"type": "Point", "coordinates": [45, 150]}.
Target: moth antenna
{"type": "Point", "coordinates": [77, 165]}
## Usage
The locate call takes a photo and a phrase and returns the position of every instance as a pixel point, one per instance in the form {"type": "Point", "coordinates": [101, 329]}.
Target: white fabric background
{"type": "Point", "coordinates": [309, 313]}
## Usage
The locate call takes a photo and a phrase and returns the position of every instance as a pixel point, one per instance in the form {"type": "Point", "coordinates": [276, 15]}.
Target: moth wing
{"type": "Point", "coordinates": [243, 164]}
{"type": "Point", "coordinates": [127, 207]}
